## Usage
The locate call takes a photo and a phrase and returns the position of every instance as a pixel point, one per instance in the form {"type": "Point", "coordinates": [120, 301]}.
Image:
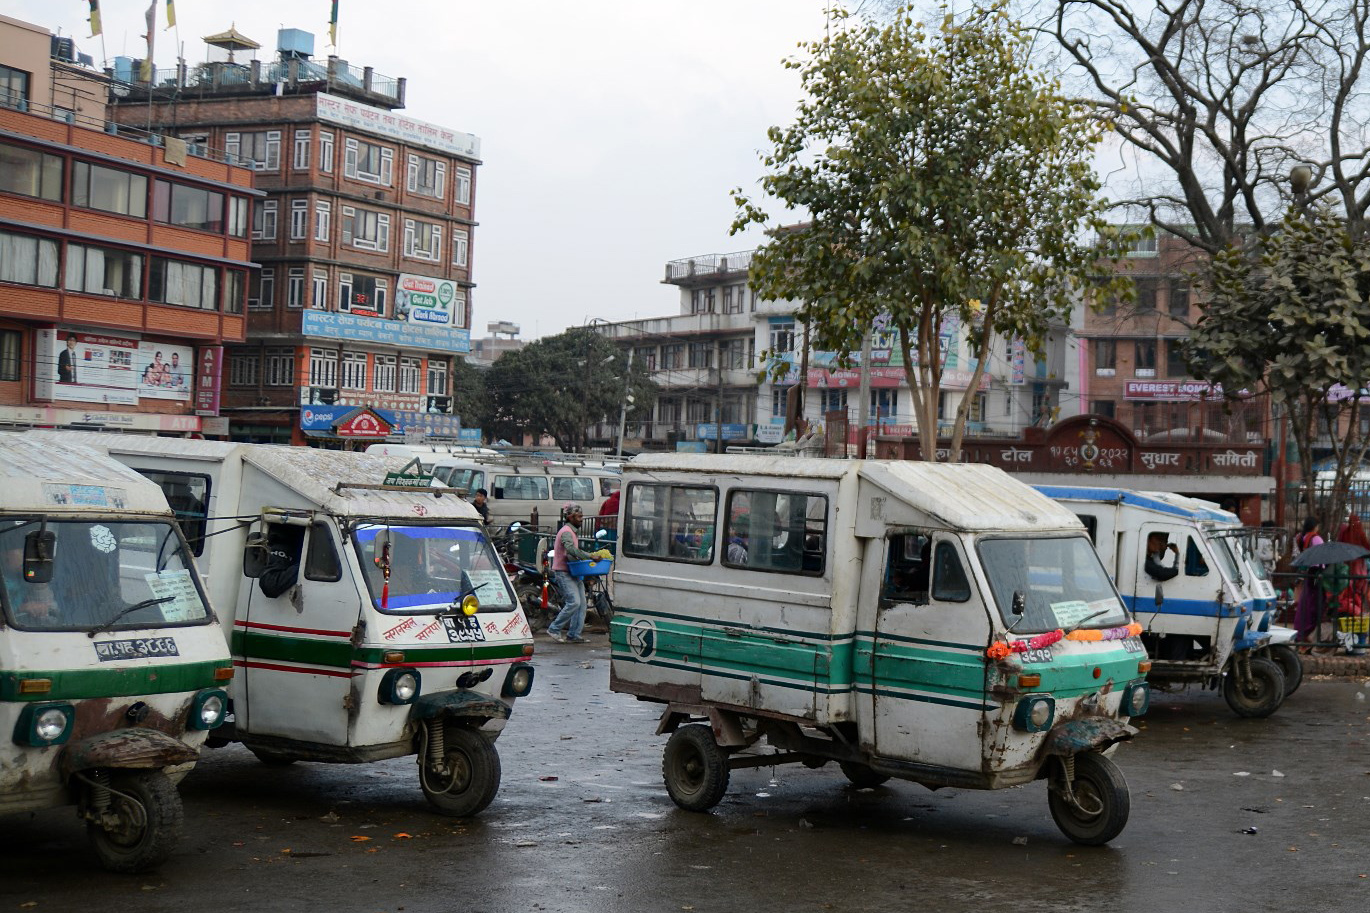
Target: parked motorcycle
{"type": "Point", "coordinates": [528, 561]}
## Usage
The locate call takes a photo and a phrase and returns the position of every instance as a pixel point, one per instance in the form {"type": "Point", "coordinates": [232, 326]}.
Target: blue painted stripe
{"type": "Point", "coordinates": [1111, 496]}
{"type": "Point", "coordinates": [1197, 608]}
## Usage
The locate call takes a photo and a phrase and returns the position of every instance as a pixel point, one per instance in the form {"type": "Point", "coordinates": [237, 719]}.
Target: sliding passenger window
{"type": "Point", "coordinates": [188, 496]}
{"type": "Point", "coordinates": [670, 522]}
{"type": "Point", "coordinates": [1195, 565]}
{"type": "Point", "coordinates": [776, 531]}
{"type": "Point", "coordinates": [321, 560]}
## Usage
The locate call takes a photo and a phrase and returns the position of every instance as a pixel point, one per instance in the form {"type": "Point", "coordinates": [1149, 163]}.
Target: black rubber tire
{"type": "Point", "coordinates": [695, 768]}
{"type": "Point", "coordinates": [530, 597]}
{"type": "Point", "coordinates": [472, 778]}
{"type": "Point", "coordinates": [861, 776]}
{"type": "Point", "coordinates": [1287, 658]}
{"type": "Point", "coordinates": [1099, 786]}
{"type": "Point", "coordinates": [150, 826]}
{"type": "Point", "coordinates": [271, 757]}
{"type": "Point", "coordinates": [1264, 695]}
{"type": "Point", "coordinates": [604, 606]}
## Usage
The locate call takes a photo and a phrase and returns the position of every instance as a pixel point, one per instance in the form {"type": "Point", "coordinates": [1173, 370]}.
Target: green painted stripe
{"type": "Point", "coordinates": [705, 623]}
{"type": "Point", "coordinates": [886, 637]}
{"type": "Point", "coordinates": [82, 684]}
{"type": "Point", "coordinates": [341, 655]}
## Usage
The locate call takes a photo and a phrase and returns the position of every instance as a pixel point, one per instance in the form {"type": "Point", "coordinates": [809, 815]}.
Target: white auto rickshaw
{"type": "Point", "coordinates": [112, 668]}
{"type": "Point", "coordinates": [938, 623]}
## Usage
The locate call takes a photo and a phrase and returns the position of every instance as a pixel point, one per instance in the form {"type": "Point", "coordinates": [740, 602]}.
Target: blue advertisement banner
{"type": "Point", "coordinates": [322, 419]}
{"type": "Point", "coordinates": [377, 330]}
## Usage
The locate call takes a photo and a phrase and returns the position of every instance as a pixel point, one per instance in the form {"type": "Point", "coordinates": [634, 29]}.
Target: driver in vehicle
{"type": "Point", "coordinates": [31, 603]}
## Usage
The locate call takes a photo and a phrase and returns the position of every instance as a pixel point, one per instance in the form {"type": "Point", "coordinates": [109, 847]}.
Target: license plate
{"type": "Point", "coordinates": [462, 629]}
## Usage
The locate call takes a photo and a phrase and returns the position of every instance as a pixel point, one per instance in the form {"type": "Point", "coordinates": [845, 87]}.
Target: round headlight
{"type": "Point", "coordinates": [212, 711]}
{"type": "Point", "coordinates": [406, 686]}
{"type": "Point", "coordinates": [1138, 700]}
{"type": "Point", "coordinates": [50, 725]}
{"type": "Point", "coordinates": [469, 604]}
{"type": "Point", "coordinates": [521, 680]}
{"type": "Point", "coordinates": [1040, 714]}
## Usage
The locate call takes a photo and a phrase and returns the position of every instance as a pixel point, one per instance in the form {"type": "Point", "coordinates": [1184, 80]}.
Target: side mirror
{"type": "Point", "coordinates": [1019, 605]}
{"type": "Point", "coordinates": [40, 547]}
{"type": "Point", "coordinates": [602, 534]}
{"type": "Point", "coordinates": [515, 526]}
{"type": "Point", "coordinates": [255, 555]}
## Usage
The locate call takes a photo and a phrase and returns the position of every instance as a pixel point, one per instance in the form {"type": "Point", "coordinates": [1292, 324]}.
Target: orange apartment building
{"type": "Point", "coordinates": [363, 239]}
{"type": "Point", "coordinates": [124, 261]}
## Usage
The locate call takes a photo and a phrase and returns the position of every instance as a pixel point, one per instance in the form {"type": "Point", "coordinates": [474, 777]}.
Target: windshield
{"type": "Point", "coordinates": [1230, 557]}
{"type": "Point", "coordinates": [431, 568]}
{"type": "Point", "coordinates": [112, 574]}
{"type": "Point", "coordinates": [1058, 582]}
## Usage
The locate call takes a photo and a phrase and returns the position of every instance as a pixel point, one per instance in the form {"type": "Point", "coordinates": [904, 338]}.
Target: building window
{"type": "Point", "coordinates": [426, 176]}
{"type": "Point", "coordinates": [1179, 298]}
{"type": "Point", "coordinates": [673, 356]}
{"type": "Point", "coordinates": [1146, 295]}
{"type": "Point", "coordinates": [437, 377]}
{"type": "Point", "coordinates": [242, 370]}
{"type": "Point", "coordinates": [318, 298]}
{"type": "Point", "coordinates": [184, 284]}
{"type": "Point", "coordinates": [187, 207]}
{"type": "Point", "coordinates": [294, 287]}
{"type": "Point", "coordinates": [280, 367]}
{"type": "Point", "coordinates": [1174, 359]}
{"type": "Point", "coordinates": [363, 294]}
{"type": "Point", "coordinates": [780, 399]}
{"type": "Point", "coordinates": [323, 368]}
{"type": "Point", "coordinates": [299, 220]}
{"type": "Point", "coordinates": [235, 284]}
{"type": "Point", "coordinates": [301, 158]}
{"type": "Point", "coordinates": [1105, 356]}
{"type": "Point", "coordinates": [264, 296]}
{"type": "Point", "coordinates": [646, 356]}
{"type": "Point", "coordinates": [29, 172]}
{"type": "Point", "coordinates": [410, 372]}
{"type": "Point", "coordinates": [733, 353]}
{"type": "Point", "coordinates": [385, 374]}
{"type": "Point", "coordinates": [1104, 407]}
{"type": "Point", "coordinates": [463, 179]}
{"type": "Point", "coordinates": [237, 217]}
{"type": "Point", "coordinates": [14, 88]}
{"type": "Point", "coordinates": [354, 370]}
{"type": "Point", "coordinates": [1145, 363]}
{"type": "Point", "coordinates": [366, 229]}
{"type": "Point", "coordinates": [323, 220]}
{"type": "Point", "coordinates": [834, 401]}
{"type": "Point", "coordinates": [368, 162]}
{"type": "Point", "coordinates": [104, 271]}
{"type": "Point", "coordinates": [264, 221]}
{"type": "Point", "coordinates": [422, 240]}
{"type": "Point", "coordinates": [978, 408]}
{"type": "Point", "coordinates": [109, 189]}
{"type": "Point", "coordinates": [701, 355]}
{"type": "Point", "coordinates": [262, 149]}
{"type": "Point", "coordinates": [884, 405]}
{"type": "Point", "coordinates": [326, 152]}
{"type": "Point", "coordinates": [459, 310]}
{"type": "Point", "coordinates": [782, 337]}
{"type": "Point", "coordinates": [11, 354]}
{"type": "Point", "coordinates": [27, 259]}
{"type": "Point", "coordinates": [461, 247]}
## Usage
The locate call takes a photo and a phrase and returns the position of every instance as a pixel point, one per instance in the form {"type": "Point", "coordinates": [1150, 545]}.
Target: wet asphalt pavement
{"type": "Point", "coordinates": [1227, 814]}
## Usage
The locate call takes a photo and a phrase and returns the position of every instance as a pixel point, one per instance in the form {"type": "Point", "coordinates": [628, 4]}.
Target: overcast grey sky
{"type": "Point", "coordinates": [611, 130]}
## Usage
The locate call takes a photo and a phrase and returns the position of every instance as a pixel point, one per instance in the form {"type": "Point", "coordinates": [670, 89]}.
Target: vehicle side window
{"type": "Point", "coordinates": [188, 496]}
{"type": "Point", "coordinates": [776, 531]}
{"type": "Point", "coordinates": [520, 488]}
{"type": "Point", "coordinates": [949, 582]}
{"type": "Point", "coordinates": [321, 560]}
{"type": "Point", "coordinates": [608, 486]}
{"type": "Point", "coordinates": [908, 567]}
{"type": "Point", "coordinates": [671, 522]}
{"type": "Point", "coordinates": [1091, 523]}
{"type": "Point", "coordinates": [1194, 563]}
{"type": "Point", "coordinates": [573, 488]}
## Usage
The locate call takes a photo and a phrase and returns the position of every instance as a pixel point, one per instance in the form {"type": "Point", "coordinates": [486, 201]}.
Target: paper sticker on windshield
{"type": "Point", "coordinates": [176, 587]}
{"type": "Point", "coordinates": [1071, 612]}
{"type": "Point", "coordinates": [488, 585]}
{"type": "Point", "coordinates": [463, 629]}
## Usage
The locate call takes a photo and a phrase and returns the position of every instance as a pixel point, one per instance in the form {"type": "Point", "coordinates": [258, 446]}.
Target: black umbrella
{"type": "Point", "coordinates": [1330, 553]}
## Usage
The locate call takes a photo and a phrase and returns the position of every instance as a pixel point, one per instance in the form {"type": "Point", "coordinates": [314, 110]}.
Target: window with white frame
{"type": "Point", "coordinates": [782, 337]}
{"type": "Point", "coordinates": [779, 401]}
{"type": "Point", "coordinates": [369, 162]}
{"type": "Point", "coordinates": [262, 148]}
{"type": "Point", "coordinates": [459, 310]}
{"type": "Point", "coordinates": [280, 367]}
{"type": "Point", "coordinates": [461, 246]}
{"type": "Point", "coordinates": [410, 373]}
{"type": "Point", "coordinates": [299, 220]}
{"type": "Point", "coordinates": [300, 161]}
{"type": "Point", "coordinates": [366, 229]}
{"type": "Point", "coordinates": [701, 355]}
{"type": "Point", "coordinates": [733, 353]}
{"type": "Point", "coordinates": [326, 152]}
{"type": "Point", "coordinates": [323, 220]}
{"type": "Point", "coordinates": [294, 296]}
{"type": "Point", "coordinates": [463, 181]}
{"type": "Point", "coordinates": [422, 240]}
{"type": "Point", "coordinates": [437, 377]}
{"type": "Point", "coordinates": [263, 294]}
{"type": "Point", "coordinates": [426, 176]}
{"type": "Point", "coordinates": [884, 405]}
{"type": "Point", "coordinates": [264, 221]}
{"type": "Point", "coordinates": [318, 299]}
{"type": "Point", "coordinates": [323, 368]}
{"type": "Point", "coordinates": [242, 369]}
{"type": "Point", "coordinates": [979, 406]}
{"type": "Point", "coordinates": [384, 381]}
{"type": "Point", "coordinates": [362, 293]}
{"type": "Point", "coordinates": [237, 216]}
{"type": "Point", "coordinates": [834, 401]}
{"type": "Point", "coordinates": [354, 370]}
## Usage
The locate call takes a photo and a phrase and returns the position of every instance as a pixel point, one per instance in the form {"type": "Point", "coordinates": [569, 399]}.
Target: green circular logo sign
{"type": "Point", "coordinates": [445, 294]}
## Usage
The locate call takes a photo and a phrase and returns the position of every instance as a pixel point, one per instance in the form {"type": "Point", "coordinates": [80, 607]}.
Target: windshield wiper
{"type": "Point", "coordinates": [1086, 620]}
{"type": "Point", "coordinates": [456, 603]}
{"type": "Point", "coordinates": [101, 628]}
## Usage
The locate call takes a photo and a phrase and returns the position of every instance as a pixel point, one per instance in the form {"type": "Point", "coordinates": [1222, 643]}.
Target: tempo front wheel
{"type": "Point", "coordinates": [1093, 806]}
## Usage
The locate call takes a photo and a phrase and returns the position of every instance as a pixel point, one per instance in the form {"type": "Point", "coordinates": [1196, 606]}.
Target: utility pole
{"type": "Point", "coordinates": [627, 395]}
{"type": "Point", "coordinates": [864, 405]}
{"type": "Point", "coordinates": [718, 407]}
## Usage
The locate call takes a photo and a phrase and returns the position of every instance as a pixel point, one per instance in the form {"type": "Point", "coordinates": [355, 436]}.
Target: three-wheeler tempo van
{"type": "Point", "coordinates": [112, 668]}
{"type": "Point", "coordinates": [940, 623]}
{"type": "Point", "coordinates": [368, 613]}
{"type": "Point", "coordinates": [1207, 620]}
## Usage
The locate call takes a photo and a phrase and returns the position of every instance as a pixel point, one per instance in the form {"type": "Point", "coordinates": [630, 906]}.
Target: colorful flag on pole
{"type": "Point", "coordinates": [333, 26]}
{"type": "Point", "coordinates": [145, 72]}
{"type": "Point", "coordinates": [170, 13]}
{"type": "Point", "coordinates": [94, 18]}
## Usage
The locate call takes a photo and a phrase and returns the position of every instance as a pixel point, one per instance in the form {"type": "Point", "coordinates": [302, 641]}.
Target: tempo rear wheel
{"type": "Point", "coordinates": [695, 768]}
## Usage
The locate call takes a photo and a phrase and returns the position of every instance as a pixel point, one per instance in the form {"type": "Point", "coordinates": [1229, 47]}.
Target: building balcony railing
{"type": "Point", "coordinates": [710, 267]}
{"type": "Point", "coordinates": [286, 77]}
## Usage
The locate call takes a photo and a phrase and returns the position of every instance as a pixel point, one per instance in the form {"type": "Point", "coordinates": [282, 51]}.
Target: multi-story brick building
{"type": "Point", "coordinates": [364, 239]}
{"type": "Point", "coordinates": [124, 260]}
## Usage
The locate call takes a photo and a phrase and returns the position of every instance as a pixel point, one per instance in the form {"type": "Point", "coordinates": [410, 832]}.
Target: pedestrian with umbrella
{"type": "Point", "coordinates": [1308, 609]}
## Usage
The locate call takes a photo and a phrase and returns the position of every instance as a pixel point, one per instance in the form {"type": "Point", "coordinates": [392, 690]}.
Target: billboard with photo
{"type": "Point", "coordinates": [86, 367]}
{"type": "Point", "coordinates": [164, 371]}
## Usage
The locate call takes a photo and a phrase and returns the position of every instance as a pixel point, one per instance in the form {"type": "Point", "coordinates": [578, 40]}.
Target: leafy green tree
{"type": "Point", "coordinates": [1296, 323]}
{"type": "Point", "coordinates": [939, 176]}
{"type": "Point", "coordinates": [469, 399]}
{"type": "Point", "coordinates": [560, 385]}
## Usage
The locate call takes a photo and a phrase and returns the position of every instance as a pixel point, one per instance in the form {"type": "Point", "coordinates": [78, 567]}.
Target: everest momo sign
{"type": "Point", "coordinates": [423, 299]}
